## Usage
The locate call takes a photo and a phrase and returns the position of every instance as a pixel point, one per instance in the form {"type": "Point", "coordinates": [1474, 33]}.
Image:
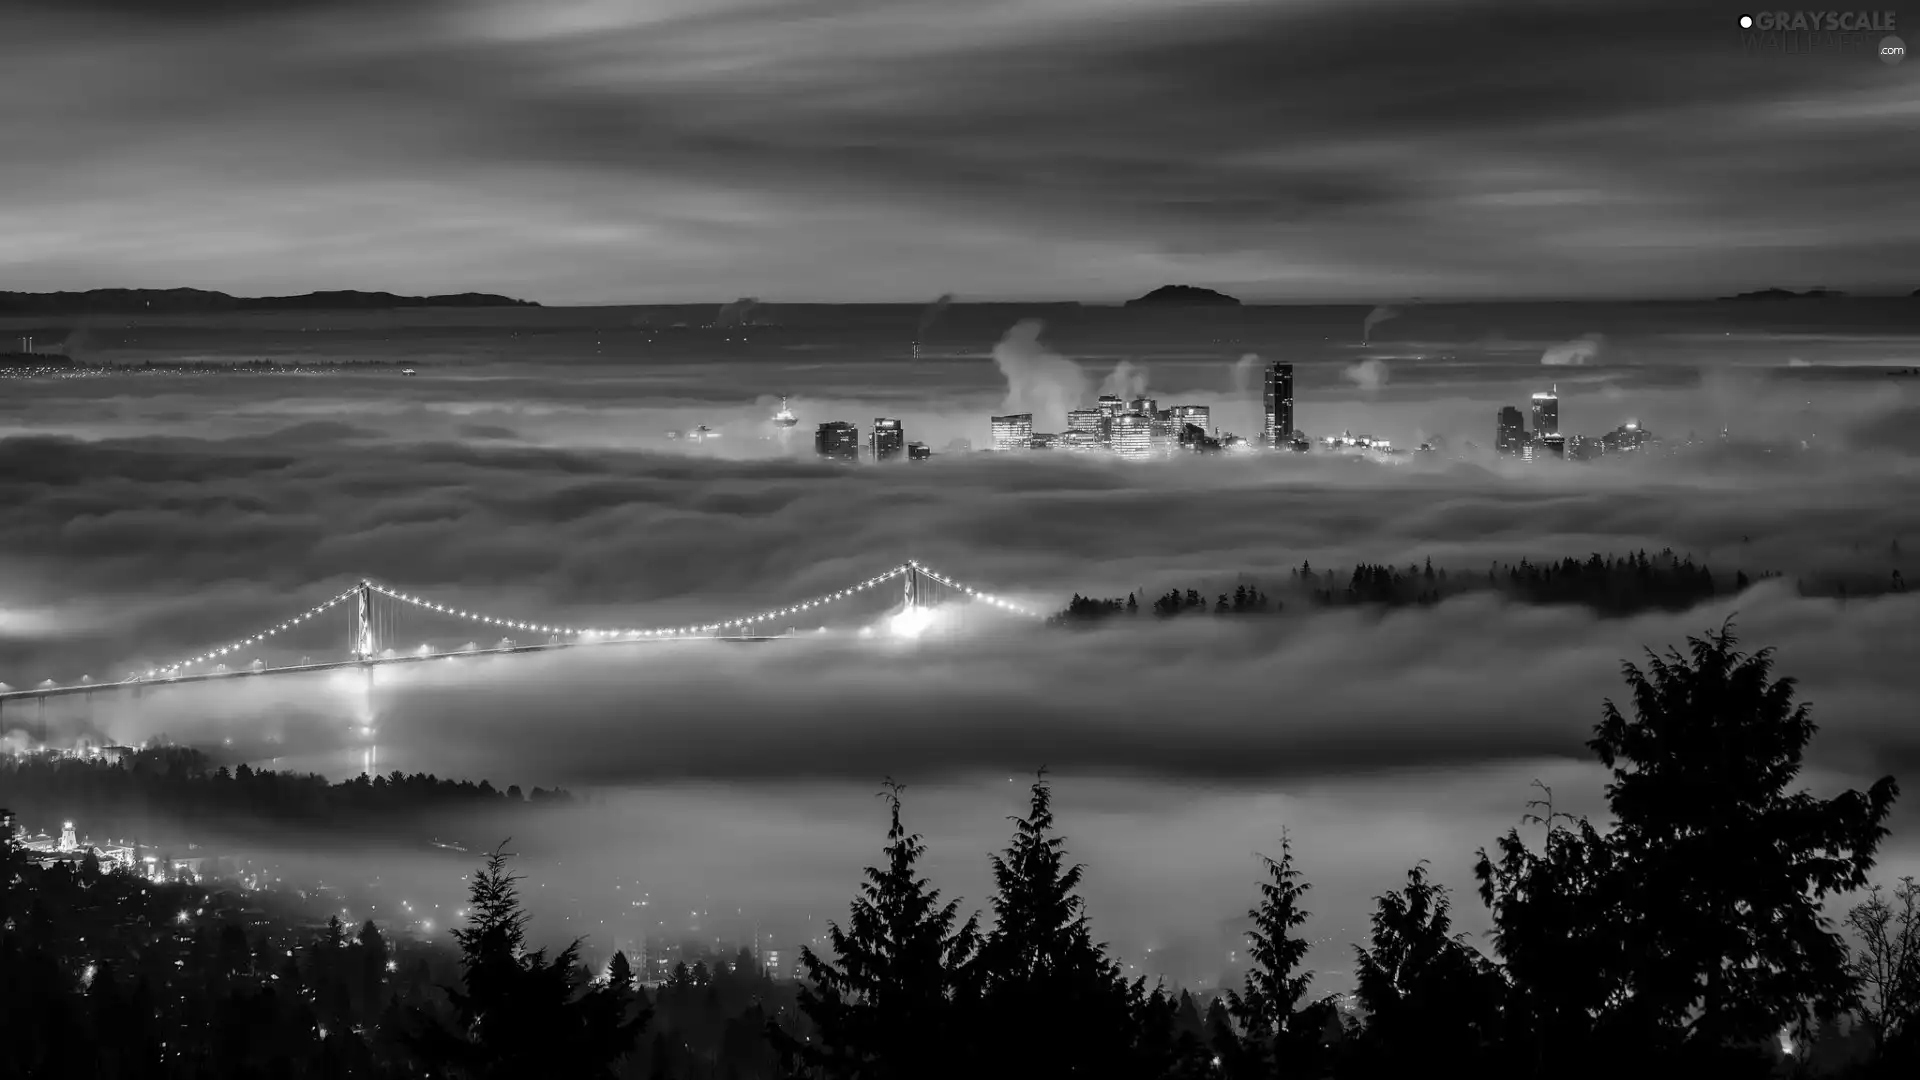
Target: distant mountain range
{"type": "Point", "coordinates": [1789, 294]}
{"type": "Point", "coordinates": [1183, 296]}
{"type": "Point", "coordinates": [130, 301]}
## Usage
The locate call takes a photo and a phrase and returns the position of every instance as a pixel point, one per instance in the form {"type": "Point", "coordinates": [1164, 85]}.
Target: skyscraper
{"type": "Point", "coordinates": [1087, 420]}
{"type": "Point", "coordinates": [889, 439]}
{"type": "Point", "coordinates": [1132, 435]}
{"type": "Point", "coordinates": [1510, 437]}
{"type": "Point", "coordinates": [918, 451]}
{"type": "Point", "coordinates": [1279, 401]}
{"type": "Point", "coordinates": [1199, 416]}
{"type": "Point", "coordinates": [837, 439]}
{"type": "Point", "coordinates": [1013, 432]}
{"type": "Point", "coordinates": [1546, 412]}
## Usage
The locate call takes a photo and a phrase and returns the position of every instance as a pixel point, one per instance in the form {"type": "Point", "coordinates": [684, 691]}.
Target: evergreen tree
{"type": "Point", "coordinates": [519, 1013]}
{"type": "Point", "coordinates": [1055, 1004]}
{"type": "Point", "coordinates": [1428, 995]}
{"type": "Point", "coordinates": [1280, 1036]}
{"type": "Point", "coordinates": [894, 1006]}
{"type": "Point", "coordinates": [1724, 866]}
{"type": "Point", "coordinates": [373, 968]}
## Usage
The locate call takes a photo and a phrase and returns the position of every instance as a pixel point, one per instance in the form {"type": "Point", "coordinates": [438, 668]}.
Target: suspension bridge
{"type": "Point", "coordinates": [375, 620]}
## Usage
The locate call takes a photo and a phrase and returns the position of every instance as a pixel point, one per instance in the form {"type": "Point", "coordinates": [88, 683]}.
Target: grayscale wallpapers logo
{"type": "Point", "coordinates": [1791, 33]}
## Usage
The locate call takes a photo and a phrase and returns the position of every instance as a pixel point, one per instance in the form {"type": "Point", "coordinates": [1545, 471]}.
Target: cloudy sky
{"type": "Point", "coordinates": [634, 151]}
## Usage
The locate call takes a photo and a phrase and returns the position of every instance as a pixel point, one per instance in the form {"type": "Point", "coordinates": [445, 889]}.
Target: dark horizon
{"type": "Point", "coordinates": [1890, 293]}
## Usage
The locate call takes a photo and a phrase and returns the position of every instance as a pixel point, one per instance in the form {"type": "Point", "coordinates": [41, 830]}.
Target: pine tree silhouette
{"type": "Point", "coordinates": [1055, 1005]}
{"type": "Point", "coordinates": [1279, 1035]}
{"type": "Point", "coordinates": [1427, 993]}
{"type": "Point", "coordinates": [518, 1013]}
{"type": "Point", "coordinates": [897, 1002]}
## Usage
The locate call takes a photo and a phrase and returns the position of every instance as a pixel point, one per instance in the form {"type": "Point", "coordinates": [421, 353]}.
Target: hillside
{"type": "Point", "coordinates": [1183, 296]}
{"type": "Point", "coordinates": [130, 301]}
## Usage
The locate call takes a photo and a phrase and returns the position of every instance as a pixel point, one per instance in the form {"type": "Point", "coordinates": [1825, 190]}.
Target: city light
{"type": "Point", "coordinates": [911, 623]}
{"type": "Point", "coordinates": [763, 623]}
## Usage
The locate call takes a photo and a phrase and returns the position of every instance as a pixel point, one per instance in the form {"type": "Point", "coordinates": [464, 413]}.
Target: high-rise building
{"type": "Point", "coordinates": [1552, 447]}
{"type": "Point", "coordinates": [1626, 438]}
{"type": "Point", "coordinates": [1511, 436]}
{"type": "Point", "coordinates": [1145, 406]}
{"type": "Point", "coordinates": [1087, 420]}
{"type": "Point", "coordinates": [1132, 435]}
{"type": "Point", "coordinates": [918, 451]}
{"type": "Point", "coordinates": [1111, 406]}
{"type": "Point", "coordinates": [1546, 412]}
{"type": "Point", "coordinates": [837, 439]}
{"type": "Point", "coordinates": [1013, 432]}
{"type": "Point", "coordinates": [1279, 427]}
{"type": "Point", "coordinates": [889, 439]}
{"type": "Point", "coordinates": [1199, 416]}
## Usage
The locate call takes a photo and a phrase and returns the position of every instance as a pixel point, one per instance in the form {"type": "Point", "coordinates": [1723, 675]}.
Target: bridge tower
{"type": "Point", "coordinates": [363, 645]}
{"type": "Point", "coordinates": [913, 595]}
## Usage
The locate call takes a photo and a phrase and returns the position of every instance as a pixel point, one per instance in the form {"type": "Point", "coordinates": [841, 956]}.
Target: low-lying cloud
{"type": "Point", "coordinates": [1369, 375]}
{"type": "Point", "coordinates": [149, 519]}
{"type": "Point", "coordinates": [1581, 350]}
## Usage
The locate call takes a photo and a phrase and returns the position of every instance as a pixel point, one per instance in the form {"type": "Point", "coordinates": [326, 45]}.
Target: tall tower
{"type": "Point", "coordinates": [1511, 434]}
{"type": "Point", "coordinates": [363, 623]}
{"type": "Point", "coordinates": [889, 439]}
{"type": "Point", "coordinates": [912, 587]}
{"type": "Point", "coordinates": [1546, 412]}
{"type": "Point", "coordinates": [1278, 399]}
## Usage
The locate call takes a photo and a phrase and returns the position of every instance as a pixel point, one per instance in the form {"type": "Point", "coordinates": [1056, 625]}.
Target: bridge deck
{"type": "Point", "coordinates": [410, 658]}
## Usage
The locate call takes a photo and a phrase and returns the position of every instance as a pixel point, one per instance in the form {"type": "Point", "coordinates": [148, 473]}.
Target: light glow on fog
{"type": "Point", "coordinates": [912, 622]}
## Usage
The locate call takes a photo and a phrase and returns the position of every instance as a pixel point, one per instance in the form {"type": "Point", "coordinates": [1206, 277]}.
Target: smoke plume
{"type": "Point", "coordinates": [1367, 374]}
{"type": "Point", "coordinates": [1374, 318]}
{"type": "Point", "coordinates": [1127, 381]}
{"type": "Point", "coordinates": [932, 315]}
{"type": "Point", "coordinates": [1246, 375]}
{"type": "Point", "coordinates": [1573, 353]}
{"type": "Point", "coordinates": [738, 313]}
{"type": "Point", "coordinates": [1039, 380]}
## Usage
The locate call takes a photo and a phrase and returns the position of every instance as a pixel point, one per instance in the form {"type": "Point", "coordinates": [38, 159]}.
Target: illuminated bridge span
{"type": "Point", "coordinates": [376, 610]}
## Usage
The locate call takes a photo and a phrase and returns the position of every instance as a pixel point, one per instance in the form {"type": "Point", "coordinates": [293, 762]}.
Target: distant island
{"type": "Point", "coordinates": [40, 365]}
{"type": "Point", "coordinates": [1183, 296]}
{"type": "Point", "coordinates": [1789, 294]}
{"type": "Point", "coordinates": [145, 301]}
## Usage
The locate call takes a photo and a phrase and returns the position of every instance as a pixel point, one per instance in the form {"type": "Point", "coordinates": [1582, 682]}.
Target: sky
{"type": "Point", "coordinates": [149, 518]}
{"type": "Point", "coordinates": [651, 151]}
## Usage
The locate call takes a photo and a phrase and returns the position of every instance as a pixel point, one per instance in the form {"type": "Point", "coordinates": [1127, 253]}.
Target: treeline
{"type": "Point", "coordinates": [112, 976]}
{"type": "Point", "coordinates": [161, 787]}
{"type": "Point", "coordinates": [1610, 585]}
{"type": "Point", "coordinates": [1681, 938]}
{"type": "Point", "coordinates": [1681, 941]}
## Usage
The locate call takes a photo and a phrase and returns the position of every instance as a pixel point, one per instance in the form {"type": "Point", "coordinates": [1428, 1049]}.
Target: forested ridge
{"type": "Point", "coordinates": [1610, 585]}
